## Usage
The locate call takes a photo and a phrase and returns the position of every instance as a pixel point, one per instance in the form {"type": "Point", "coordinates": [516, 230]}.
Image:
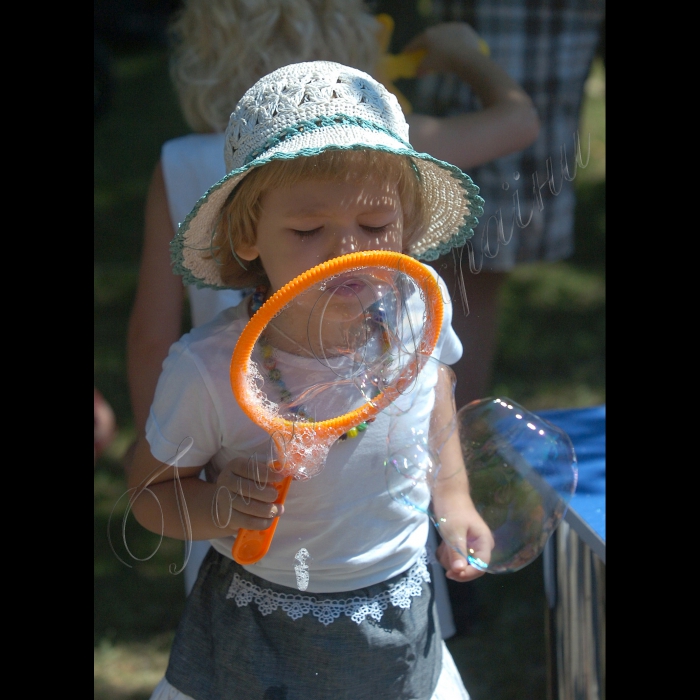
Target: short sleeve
{"type": "Point", "coordinates": [183, 423]}
{"type": "Point", "coordinates": [449, 347]}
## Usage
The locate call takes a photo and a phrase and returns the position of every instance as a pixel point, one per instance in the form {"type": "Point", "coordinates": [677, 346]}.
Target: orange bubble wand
{"type": "Point", "coordinates": [303, 446]}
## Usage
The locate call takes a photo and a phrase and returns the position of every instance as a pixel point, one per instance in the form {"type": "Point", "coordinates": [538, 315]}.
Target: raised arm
{"type": "Point", "coordinates": [507, 122]}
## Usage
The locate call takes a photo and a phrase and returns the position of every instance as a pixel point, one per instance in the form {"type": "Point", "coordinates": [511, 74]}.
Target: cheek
{"type": "Point", "coordinates": [393, 238]}
{"type": "Point", "coordinates": [291, 259]}
{"type": "Point", "coordinates": [306, 251]}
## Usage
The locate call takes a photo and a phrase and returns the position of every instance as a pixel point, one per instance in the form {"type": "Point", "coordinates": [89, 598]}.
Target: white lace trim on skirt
{"type": "Point", "coordinates": [398, 594]}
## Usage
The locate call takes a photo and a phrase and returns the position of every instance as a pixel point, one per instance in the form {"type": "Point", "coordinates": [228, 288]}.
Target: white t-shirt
{"type": "Point", "coordinates": [191, 165]}
{"type": "Point", "coordinates": [355, 532]}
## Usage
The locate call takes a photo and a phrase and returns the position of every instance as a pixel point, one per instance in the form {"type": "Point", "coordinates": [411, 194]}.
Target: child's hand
{"type": "Point", "coordinates": [446, 44]}
{"type": "Point", "coordinates": [466, 530]}
{"type": "Point", "coordinates": [246, 496]}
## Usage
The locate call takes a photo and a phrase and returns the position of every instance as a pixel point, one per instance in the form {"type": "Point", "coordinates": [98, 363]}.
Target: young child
{"type": "Point", "coordinates": [219, 48]}
{"type": "Point", "coordinates": [319, 165]}
{"type": "Point", "coordinates": [211, 67]}
{"type": "Point", "coordinates": [212, 42]}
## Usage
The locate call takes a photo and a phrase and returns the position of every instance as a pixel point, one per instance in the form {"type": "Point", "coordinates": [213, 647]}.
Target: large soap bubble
{"type": "Point", "coordinates": [417, 435]}
{"type": "Point", "coordinates": [522, 474]}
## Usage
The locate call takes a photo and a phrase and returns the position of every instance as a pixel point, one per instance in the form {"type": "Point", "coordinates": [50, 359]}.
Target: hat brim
{"type": "Point", "coordinates": [451, 200]}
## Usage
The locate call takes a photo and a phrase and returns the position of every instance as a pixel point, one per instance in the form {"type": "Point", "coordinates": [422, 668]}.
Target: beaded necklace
{"type": "Point", "coordinates": [275, 376]}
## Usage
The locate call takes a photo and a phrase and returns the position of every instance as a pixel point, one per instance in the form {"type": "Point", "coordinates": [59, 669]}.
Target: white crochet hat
{"type": "Point", "coordinates": [304, 109]}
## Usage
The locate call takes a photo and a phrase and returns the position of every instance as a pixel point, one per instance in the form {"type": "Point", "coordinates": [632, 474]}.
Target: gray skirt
{"type": "Point", "coordinates": [231, 646]}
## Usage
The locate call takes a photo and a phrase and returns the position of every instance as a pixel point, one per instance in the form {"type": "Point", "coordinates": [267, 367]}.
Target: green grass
{"type": "Point", "coordinates": [551, 354]}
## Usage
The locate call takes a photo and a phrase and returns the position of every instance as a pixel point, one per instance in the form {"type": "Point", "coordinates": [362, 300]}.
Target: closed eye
{"type": "Point", "coordinates": [303, 234]}
{"type": "Point", "coordinates": [376, 229]}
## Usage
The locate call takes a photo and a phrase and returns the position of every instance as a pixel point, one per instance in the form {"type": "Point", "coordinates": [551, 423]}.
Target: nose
{"type": "Point", "coordinates": [346, 241]}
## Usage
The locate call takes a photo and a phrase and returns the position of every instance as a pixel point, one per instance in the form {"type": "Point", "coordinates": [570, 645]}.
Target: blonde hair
{"type": "Point", "coordinates": [220, 48]}
{"type": "Point", "coordinates": [240, 213]}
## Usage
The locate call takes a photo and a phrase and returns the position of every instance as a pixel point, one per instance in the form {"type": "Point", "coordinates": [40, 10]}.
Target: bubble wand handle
{"type": "Point", "coordinates": [252, 545]}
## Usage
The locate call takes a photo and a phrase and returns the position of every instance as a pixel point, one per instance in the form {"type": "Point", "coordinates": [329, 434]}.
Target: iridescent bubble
{"type": "Point", "coordinates": [522, 473]}
{"type": "Point", "coordinates": [417, 435]}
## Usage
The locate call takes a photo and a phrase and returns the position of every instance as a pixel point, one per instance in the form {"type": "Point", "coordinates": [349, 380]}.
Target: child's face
{"type": "Point", "coordinates": [314, 221]}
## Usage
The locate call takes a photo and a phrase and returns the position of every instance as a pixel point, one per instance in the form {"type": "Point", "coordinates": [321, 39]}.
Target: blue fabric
{"type": "Point", "coordinates": [586, 428]}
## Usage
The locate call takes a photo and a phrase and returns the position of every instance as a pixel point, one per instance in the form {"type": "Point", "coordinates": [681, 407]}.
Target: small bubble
{"type": "Point", "coordinates": [516, 175]}
{"type": "Point", "coordinates": [505, 186]}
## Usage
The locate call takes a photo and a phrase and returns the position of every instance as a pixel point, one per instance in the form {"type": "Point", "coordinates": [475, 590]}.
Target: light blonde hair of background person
{"type": "Point", "coordinates": [220, 48]}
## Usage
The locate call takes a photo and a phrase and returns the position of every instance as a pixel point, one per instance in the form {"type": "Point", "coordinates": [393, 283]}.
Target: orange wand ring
{"type": "Point", "coordinates": [252, 545]}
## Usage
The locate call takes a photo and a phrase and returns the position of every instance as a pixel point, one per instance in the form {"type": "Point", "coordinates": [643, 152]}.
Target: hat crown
{"type": "Point", "coordinates": [275, 106]}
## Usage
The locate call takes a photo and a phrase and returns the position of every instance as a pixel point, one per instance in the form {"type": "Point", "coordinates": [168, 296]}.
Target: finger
{"type": "Point", "coordinates": [234, 513]}
{"type": "Point", "coordinates": [456, 566]}
{"type": "Point", "coordinates": [246, 489]}
{"type": "Point", "coordinates": [460, 570]}
{"type": "Point", "coordinates": [469, 574]}
{"type": "Point", "coordinates": [240, 521]}
{"type": "Point", "coordinates": [257, 509]}
{"type": "Point", "coordinates": [480, 546]}
{"type": "Point", "coordinates": [452, 561]}
{"type": "Point", "coordinates": [255, 469]}
{"type": "Point", "coordinates": [418, 42]}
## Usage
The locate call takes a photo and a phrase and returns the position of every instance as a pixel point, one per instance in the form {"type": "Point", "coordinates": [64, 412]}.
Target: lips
{"type": "Point", "coordinates": [346, 286]}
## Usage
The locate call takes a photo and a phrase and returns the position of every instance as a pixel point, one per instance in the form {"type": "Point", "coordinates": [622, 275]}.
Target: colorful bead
{"type": "Point", "coordinates": [258, 299]}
